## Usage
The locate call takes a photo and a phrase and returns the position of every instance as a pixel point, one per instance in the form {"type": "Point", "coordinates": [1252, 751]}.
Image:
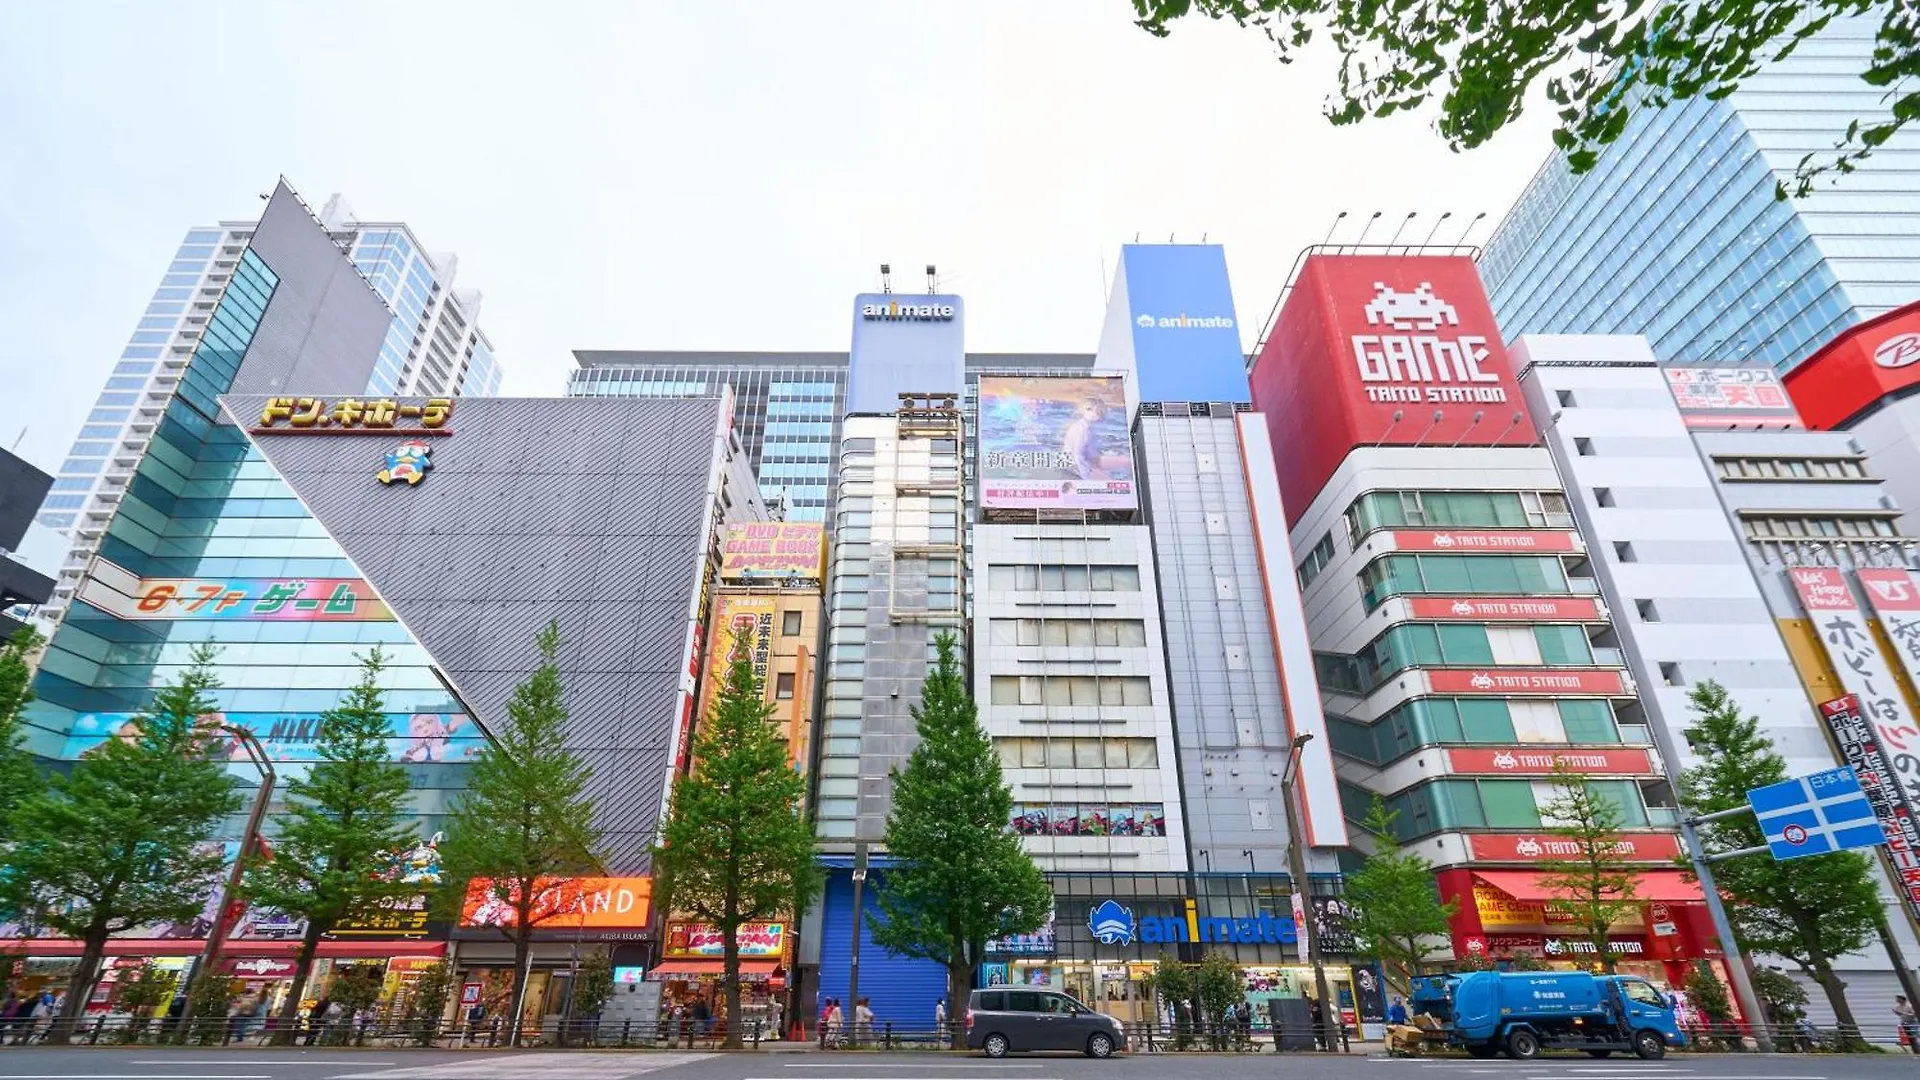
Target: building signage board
{"type": "Point", "coordinates": [1041, 942]}
{"type": "Point", "coordinates": [291, 599]}
{"type": "Point", "coordinates": [774, 551]}
{"type": "Point", "coordinates": [904, 344]}
{"type": "Point", "coordinates": [1872, 766]}
{"type": "Point", "coordinates": [1498, 910]}
{"type": "Point", "coordinates": [1718, 397]}
{"type": "Point", "coordinates": [615, 903]}
{"type": "Point", "coordinates": [1113, 923]}
{"type": "Point", "coordinates": [1894, 597]}
{"type": "Point", "coordinates": [741, 621]}
{"type": "Point", "coordinates": [1055, 443]}
{"type": "Point", "coordinates": [1505, 609]}
{"type": "Point", "coordinates": [413, 738]}
{"type": "Point", "coordinates": [354, 416]}
{"type": "Point", "coordinates": [1526, 762]}
{"type": "Point", "coordinates": [1555, 946]}
{"type": "Point", "coordinates": [1525, 681]}
{"type": "Point", "coordinates": [1861, 366]}
{"type": "Point", "coordinates": [1485, 540]}
{"type": "Point", "coordinates": [1184, 335]}
{"type": "Point", "coordinates": [1532, 847]}
{"type": "Point", "coordinates": [758, 941]}
{"type": "Point", "coordinates": [1842, 628]}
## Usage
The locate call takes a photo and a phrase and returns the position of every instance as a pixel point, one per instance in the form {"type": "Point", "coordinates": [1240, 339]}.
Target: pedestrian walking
{"type": "Point", "coordinates": [42, 1016]}
{"type": "Point", "coordinates": [1397, 1012]}
{"type": "Point", "coordinates": [862, 1023]}
{"type": "Point", "coordinates": [9, 1005]}
{"type": "Point", "coordinates": [702, 1017]}
{"type": "Point", "coordinates": [316, 1017]}
{"type": "Point", "coordinates": [940, 1018]}
{"type": "Point", "coordinates": [1318, 1014]}
{"type": "Point", "coordinates": [1909, 1021]}
{"type": "Point", "coordinates": [833, 1021]}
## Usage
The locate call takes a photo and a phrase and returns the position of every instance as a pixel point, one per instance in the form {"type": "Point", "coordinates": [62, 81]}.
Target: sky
{"type": "Point", "coordinates": [721, 175]}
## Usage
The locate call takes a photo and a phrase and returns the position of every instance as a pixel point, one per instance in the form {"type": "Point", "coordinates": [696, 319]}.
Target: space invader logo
{"type": "Point", "coordinates": [1417, 310]}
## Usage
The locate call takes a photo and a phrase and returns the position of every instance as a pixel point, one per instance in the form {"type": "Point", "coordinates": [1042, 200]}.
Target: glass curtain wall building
{"type": "Point", "coordinates": [433, 346]}
{"type": "Point", "coordinates": [788, 405]}
{"type": "Point", "coordinates": [1676, 235]}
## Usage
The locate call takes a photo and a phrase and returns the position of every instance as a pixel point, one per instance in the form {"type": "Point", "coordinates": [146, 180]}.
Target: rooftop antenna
{"type": "Point", "coordinates": [1436, 228]}
{"type": "Point", "coordinates": [1408, 220]}
{"type": "Point", "coordinates": [932, 277]}
{"type": "Point", "coordinates": [886, 277]}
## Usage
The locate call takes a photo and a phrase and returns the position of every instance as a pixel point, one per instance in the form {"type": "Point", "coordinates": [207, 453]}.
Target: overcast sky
{"type": "Point", "coordinates": [719, 175]}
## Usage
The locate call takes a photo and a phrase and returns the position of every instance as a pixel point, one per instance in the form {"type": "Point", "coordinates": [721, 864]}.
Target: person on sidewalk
{"type": "Point", "coordinates": [940, 1018]}
{"type": "Point", "coordinates": [862, 1023]}
{"type": "Point", "coordinates": [1909, 1021]}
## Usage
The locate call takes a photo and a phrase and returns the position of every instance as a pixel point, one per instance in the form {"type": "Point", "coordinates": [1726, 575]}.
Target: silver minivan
{"type": "Point", "coordinates": [1006, 1019]}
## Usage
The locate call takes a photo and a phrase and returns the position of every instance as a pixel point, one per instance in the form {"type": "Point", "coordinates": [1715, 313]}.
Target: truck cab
{"type": "Point", "coordinates": [1523, 1013]}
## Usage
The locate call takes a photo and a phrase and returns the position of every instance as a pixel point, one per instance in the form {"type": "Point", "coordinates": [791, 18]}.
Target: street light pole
{"type": "Point", "coordinates": [853, 962]}
{"type": "Point", "coordinates": [223, 919]}
{"type": "Point", "coordinates": [1297, 870]}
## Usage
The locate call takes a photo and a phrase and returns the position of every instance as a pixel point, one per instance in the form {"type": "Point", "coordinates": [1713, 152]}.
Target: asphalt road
{"type": "Point", "coordinates": [17, 1063]}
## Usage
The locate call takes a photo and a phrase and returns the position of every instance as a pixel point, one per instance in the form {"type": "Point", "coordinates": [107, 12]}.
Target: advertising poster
{"type": "Point", "coordinates": [774, 551]}
{"type": "Point", "coordinates": [1872, 763]}
{"type": "Point", "coordinates": [1729, 396]}
{"type": "Point", "coordinates": [741, 622]}
{"type": "Point", "coordinates": [1895, 601]}
{"type": "Point", "coordinates": [758, 941]}
{"type": "Point", "coordinates": [1842, 628]}
{"type": "Point", "coordinates": [245, 599]}
{"type": "Point", "coordinates": [416, 738]}
{"type": "Point", "coordinates": [622, 903]}
{"type": "Point", "coordinates": [1055, 443]}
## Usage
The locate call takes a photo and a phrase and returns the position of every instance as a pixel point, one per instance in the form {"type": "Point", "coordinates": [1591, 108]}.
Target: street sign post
{"type": "Point", "coordinates": [1816, 815]}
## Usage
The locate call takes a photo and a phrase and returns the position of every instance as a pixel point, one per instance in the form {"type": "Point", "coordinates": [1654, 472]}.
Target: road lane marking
{"type": "Point", "coordinates": [929, 1065]}
{"type": "Point", "coordinates": [137, 1076]}
{"type": "Point", "coordinates": [288, 1061]}
{"type": "Point", "coordinates": [517, 1066]}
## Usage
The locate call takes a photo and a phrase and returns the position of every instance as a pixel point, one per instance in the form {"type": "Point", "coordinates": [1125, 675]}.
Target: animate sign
{"type": "Point", "coordinates": [1413, 358]}
{"type": "Point", "coordinates": [1532, 847]}
{"type": "Point", "coordinates": [1113, 923]}
{"type": "Point", "coordinates": [1540, 762]}
{"type": "Point", "coordinates": [895, 311]}
{"type": "Point", "coordinates": [1484, 540]}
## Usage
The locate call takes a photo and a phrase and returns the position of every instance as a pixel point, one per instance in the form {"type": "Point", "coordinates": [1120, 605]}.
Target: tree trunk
{"type": "Point", "coordinates": [730, 979]}
{"type": "Point", "coordinates": [80, 986]}
{"type": "Point", "coordinates": [522, 946]}
{"type": "Point", "coordinates": [288, 1026]}
{"type": "Point", "coordinates": [959, 992]}
{"type": "Point", "coordinates": [1820, 966]}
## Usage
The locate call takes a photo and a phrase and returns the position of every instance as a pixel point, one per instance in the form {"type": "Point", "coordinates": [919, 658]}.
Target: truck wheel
{"type": "Point", "coordinates": [1649, 1045]}
{"type": "Point", "coordinates": [1523, 1045]}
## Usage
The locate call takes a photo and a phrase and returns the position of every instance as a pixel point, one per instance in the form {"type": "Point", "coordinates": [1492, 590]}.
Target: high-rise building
{"type": "Point", "coordinates": [1676, 235]}
{"type": "Point", "coordinates": [1462, 652]}
{"type": "Point", "coordinates": [433, 346]}
{"type": "Point", "coordinates": [25, 582]}
{"type": "Point", "coordinates": [1705, 503]}
{"type": "Point", "coordinates": [790, 405]}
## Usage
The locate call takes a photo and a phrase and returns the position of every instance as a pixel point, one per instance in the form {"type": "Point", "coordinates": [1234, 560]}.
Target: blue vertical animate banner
{"type": "Point", "coordinates": [904, 343]}
{"type": "Point", "coordinates": [1186, 338]}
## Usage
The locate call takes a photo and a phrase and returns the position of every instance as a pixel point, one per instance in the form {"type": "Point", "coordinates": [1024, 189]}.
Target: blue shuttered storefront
{"type": "Point", "coordinates": [898, 989]}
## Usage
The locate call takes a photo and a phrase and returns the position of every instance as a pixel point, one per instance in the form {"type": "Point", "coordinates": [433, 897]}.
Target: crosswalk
{"type": "Point", "coordinates": [555, 1066]}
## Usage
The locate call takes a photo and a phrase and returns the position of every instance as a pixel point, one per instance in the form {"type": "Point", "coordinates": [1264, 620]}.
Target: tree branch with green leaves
{"type": "Point", "coordinates": [1393, 907]}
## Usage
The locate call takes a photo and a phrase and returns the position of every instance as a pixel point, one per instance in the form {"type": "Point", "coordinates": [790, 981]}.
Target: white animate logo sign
{"type": "Point", "coordinates": [895, 311]}
{"type": "Point", "coordinates": [1415, 362]}
{"type": "Point", "coordinates": [1183, 321]}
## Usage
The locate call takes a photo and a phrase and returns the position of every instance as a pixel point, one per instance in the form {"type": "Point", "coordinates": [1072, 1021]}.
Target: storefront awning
{"type": "Point", "coordinates": [368, 949]}
{"type": "Point", "coordinates": [749, 969]}
{"type": "Point", "coordinates": [1667, 885]}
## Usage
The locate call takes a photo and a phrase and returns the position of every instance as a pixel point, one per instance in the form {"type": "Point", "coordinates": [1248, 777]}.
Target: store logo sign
{"type": "Point", "coordinates": [895, 311]}
{"type": "Point", "coordinates": [1111, 923]}
{"type": "Point", "coordinates": [1183, 321]}
{"type": "Point", "coordinates": [409, 462]}
{"type": "Point", "coordinates": [1412, 357]}
{"type": "Point", "coordinates": [1898, 351]}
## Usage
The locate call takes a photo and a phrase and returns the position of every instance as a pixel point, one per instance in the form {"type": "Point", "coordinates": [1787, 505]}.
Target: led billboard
{"type": "Point", "coordinates": [1055, 443]}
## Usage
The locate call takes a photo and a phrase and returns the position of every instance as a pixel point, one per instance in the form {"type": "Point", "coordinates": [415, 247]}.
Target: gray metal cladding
{"type": "Point", "coordinates": [590, 511]}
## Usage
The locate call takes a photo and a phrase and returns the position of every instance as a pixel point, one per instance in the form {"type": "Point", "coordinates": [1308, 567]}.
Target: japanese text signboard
{"type": "Point", "coordinates": [1843, 630]}
{"type": "Point", "coordinates": [279, 599]}
{"type": "Point", "coordinates": [758, 940]}
{"type": "Point", "coordinates": [1729, 396]}
{"type": "Point", "coordinates": [1895, 599]}
{"type": "Point", "coordinates": [773, 551]}
{"type": "Point", "coordinates": [1863, 750]}
{"type": "Point", "coordinates": [354, 416]}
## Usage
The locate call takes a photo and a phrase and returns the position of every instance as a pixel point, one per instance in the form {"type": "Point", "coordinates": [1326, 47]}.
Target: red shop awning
{"type": "Point", "coordinates": [1667, 885]}
{"type": "Point", "coordinates": [695, 968]}
{"type": "Point", "coordinates": [370, 948]}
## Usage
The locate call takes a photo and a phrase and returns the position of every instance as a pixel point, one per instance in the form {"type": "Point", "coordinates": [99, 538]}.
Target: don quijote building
{"type": "Point", "coordinates": [1461, 643]}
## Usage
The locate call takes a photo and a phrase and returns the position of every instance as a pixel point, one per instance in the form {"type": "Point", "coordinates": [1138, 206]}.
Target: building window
{"type": "Point", "coordinates": [1070, 690]}
{"type": "Point", "coordinates": [790, 623]}
{"type": "Point", "coordinates": [1583, 447]}
{"type": "Point", "coordinates": [1078, 753]}
{"type": "Point", "coordinates": [1316, 560]}
{"type": "Point", "coordinates": [1671, 676]}
{"type": "Point", "coordinates": [1647, 611]}
{"type": "Point", "coordinates": [1057, 578]}
{"type": "Point", "coordinates": [1623, 551]}
{"type": "Point", "coordinates": [1603, 496]}
{"type": "Point", "coordinates": [1518, 575]}
{"type": "Point", "coordinates": [783, 686]}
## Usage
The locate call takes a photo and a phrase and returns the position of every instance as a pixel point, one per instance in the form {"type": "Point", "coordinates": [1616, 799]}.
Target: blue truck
{"type": "Point", "coordinates": [1525, 1012]}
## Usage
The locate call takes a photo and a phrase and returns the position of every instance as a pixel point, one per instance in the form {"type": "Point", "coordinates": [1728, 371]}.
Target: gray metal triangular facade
{"type": "Point", "coordinates": [589, 511]}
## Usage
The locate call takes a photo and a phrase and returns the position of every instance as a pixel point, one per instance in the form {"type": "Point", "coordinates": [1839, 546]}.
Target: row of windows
{"type": "Point", "coordinates": [1791, 468]}
{"type": "Point", "coordinates": [1078, 753]}
{"type": "Point", "coordinates": [1453, 509]}
{"type": "Point", "coordinates": [1065, 690]}
{"type": "Point", "coordinates": [1457, 644]}
{"type": "Point", "coordinates": [1070, 632]}
{"type": "Point", "coordinates": [1486, 804]}
{"type": "Point", "coordinates": [1481, 721]}
{"type": "Point", "coordinates": [1051, 578]}
{"type": "Point", "coordinates": [1819, 526]}
{"type": "Point", "coordinates": [1316, 560]}
{"type": "Point", "coordinates": [1521, 575]}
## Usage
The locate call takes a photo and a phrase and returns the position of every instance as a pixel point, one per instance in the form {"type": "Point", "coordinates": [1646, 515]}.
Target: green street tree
{"type": "Point", "coordinates": [1595, 885]}
{"type": "Point", "coordinates": [18, 776]}
{"type": "Point", "coordinates": [1807, 910]}
{"type": "Point", "coordinates": [959, 877]}
{"type": "Point", "coordinates": [1595, 63]}
{"type": "Point", "coordinates": [123, 840]}
{"type": "Point", "coordinates": [1392, 904]}
{"type": "Point", "coordinates": [522, 832]}
{"type": "Point", "coordinates": [736, 847]}
{"type": "Point", "coordinates": [344, 823]}
{"type": "Point", "coordinates": [1219, 984]}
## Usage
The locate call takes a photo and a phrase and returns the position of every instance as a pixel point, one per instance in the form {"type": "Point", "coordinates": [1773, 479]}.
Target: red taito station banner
{"type": "Point", "coordinates": [1522, 761]}
{"type": "Point", "coordinates": [1532, 847]}
{"type": "Point", "coordinates": [1485, 540]}
{"type": "Point", "coordinates": [1506, 608]}
{"type": "Point", "coordinates": [1525, 681]}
